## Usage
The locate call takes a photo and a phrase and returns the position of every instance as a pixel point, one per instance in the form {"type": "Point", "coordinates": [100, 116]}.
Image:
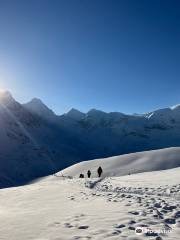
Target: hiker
{"type": "Point", "coordinates": [99, 171]}
{"type": "Point", "coordinates": [81, 175]}
{"type": "Point", "coordinates": [89, 173]}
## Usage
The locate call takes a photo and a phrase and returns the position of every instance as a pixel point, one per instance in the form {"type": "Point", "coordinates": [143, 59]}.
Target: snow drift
{"type": "Point", "coordinates": [129, 163]}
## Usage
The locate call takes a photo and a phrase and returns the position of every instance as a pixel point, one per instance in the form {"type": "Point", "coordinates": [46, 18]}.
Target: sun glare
{"type": "Point", "coordinates": [2, 90]}
{"type": "Point", "coordinates": [4, 94]}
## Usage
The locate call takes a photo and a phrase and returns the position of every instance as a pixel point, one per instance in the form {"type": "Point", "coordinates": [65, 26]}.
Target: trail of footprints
{"type": "Point", "coordinates": [154, 208]}
{"type": "Point", "coordinates": [76, 222]}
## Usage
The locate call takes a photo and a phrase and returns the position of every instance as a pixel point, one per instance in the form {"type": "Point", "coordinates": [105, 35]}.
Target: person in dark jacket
{"type": "Point", "coordinates": [89, 173]}
{"type": "Point", "coordinates": [99, 171]}
{"type": "Point", "coordinates": [81, 175]}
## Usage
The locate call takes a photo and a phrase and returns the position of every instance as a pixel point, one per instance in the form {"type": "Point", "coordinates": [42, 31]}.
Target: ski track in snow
{"type": "Point", "coordinates": [57, 208]}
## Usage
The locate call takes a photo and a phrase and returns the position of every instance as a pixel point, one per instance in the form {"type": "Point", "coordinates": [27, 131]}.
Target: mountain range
{"type": "Point", "coordinates": [35, 142]}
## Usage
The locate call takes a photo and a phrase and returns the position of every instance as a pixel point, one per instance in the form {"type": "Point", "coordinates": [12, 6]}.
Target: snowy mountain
{"type": "Point", "coordinates": [74, 114]}
{"type": "Point", "coordinates": [38, 107]}
{"type": "Point", "coordinates": [21, 156]}
{"type": "Point", "coordinates": [35, 142]}
{"type": "Point", "coordinates": [128, 164]}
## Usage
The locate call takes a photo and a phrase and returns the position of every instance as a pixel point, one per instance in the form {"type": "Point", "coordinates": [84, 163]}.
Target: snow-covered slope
{"type": "Point", "coordinates": [128, 163]}
{"type": "Point", "coordinates": [57, 208]}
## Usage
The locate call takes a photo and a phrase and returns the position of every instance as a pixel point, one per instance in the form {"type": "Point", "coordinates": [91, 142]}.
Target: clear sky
{"type": "Point", "coordinates": [111, 55]}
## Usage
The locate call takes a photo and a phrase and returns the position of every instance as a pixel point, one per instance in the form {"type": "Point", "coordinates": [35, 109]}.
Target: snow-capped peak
{"type": "Point", "coordinates": [36, 101]}
{"type": "Point", "coordinates": [175, 107]}
{"type": "Point", "coordinates": [96, 113]}
{"type": "Point", "coordinates": [75, 114]}
{"type": "Point", "coordinates": [38, 107]}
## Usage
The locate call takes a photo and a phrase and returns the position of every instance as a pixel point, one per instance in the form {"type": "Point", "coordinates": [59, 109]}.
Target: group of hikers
{"type": "Point", "coordinates": [99, 172]}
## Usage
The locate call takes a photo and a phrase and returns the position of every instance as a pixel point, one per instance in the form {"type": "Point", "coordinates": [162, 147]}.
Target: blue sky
{"type": "Point", "coordinates": [111, 55]}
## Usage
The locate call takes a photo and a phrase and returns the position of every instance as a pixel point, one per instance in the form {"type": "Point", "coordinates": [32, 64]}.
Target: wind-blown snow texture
{"type": "Point", "coordinates": [35, 142]}
{"type": "Point", "coordinates": [57, 208]}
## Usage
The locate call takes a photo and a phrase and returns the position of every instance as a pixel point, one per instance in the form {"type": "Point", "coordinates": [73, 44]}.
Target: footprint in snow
{"type": "Point", "coordinates": [170, 220]}
{"type": "Point", "coordinates": [83, 227]}
{"type": "Point", "coordinates": [177, 214]}
{"type": "Point", "coordinates": [120, 226]}
{"type": "Point", "coordinates": [81, 237]}
{"type": "Point", "coordinates": [113, 233]}
{"type": "Point", "coordinates": [131, 228]}
{"type": "Point", "coordinates": [131, 222]}
{"type": "Point", "coordinates": [68, 225]}
{"type": "Point", "coordinates": [134, 212]}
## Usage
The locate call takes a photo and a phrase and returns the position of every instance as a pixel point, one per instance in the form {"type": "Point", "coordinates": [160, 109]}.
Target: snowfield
{"type": "Point", "coordinates": [58, 208]}
{"type": "Point", "coordinates": [128, 163]}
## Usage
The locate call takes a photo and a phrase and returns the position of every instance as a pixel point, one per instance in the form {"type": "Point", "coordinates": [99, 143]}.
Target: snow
{"type": "Point", "coordinates": [75, 114]}
{"type": "Point", "coordinates": [38, 107]}
{"type": "Point", "coordinates": [128, 163]}
{"type": "Point", "coordinates": [58, 208]}
{"type": "Point", "coordinates": [176, 107]}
